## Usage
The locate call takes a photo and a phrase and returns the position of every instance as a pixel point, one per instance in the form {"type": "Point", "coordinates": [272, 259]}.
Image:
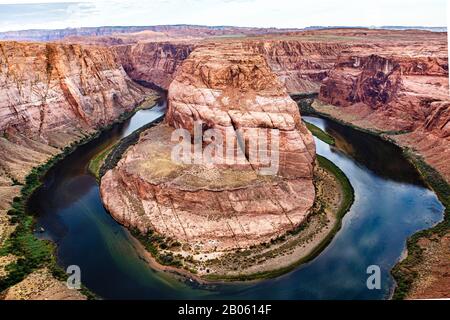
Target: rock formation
{"type": "Point", "coordinates": [229, 87]}
{"type": "Point", "coordinates": [407, 96]}
{"type": "Point", "coordinates": [153, 62]}
{"type": "Point", "coordinates": [391, 81]}
{"type": "Point", "coordinates": [397, 90]}
{"type": "Point", "coordinates": [217, 207]}
{"type": "Point", "coordinates": [53, 94]}
{"type": "Point", "coordinates": [50, 96]}
{"type": "Point", "coordinates": [299, 65]}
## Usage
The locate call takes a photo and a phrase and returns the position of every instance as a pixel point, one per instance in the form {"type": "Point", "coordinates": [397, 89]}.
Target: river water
{"type": "Point", "coordinates": [391, 203]}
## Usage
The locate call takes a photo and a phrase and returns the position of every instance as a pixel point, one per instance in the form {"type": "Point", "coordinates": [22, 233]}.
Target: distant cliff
{"type": "Point", "coordinates": [181, 30]}
{"type": "Point", "coordinates": [395, 94]}
{"type": "Point", "coordinates": [153, 62]}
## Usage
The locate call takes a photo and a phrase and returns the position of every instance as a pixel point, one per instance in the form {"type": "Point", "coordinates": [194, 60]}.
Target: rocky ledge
{"type": "Point", "coordinates": [216, 207]}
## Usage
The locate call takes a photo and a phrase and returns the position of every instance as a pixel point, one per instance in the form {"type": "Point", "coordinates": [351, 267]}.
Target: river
{"type": "Point", "coordinates": [391, 203]}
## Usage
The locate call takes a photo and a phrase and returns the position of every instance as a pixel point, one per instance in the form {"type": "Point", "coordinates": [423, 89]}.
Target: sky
{"type": "Point", "coordinates": [45, 14]}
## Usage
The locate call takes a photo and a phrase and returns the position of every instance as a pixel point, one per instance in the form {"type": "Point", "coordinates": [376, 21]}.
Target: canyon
{"type": "Point", "coordinates": [54, 94]}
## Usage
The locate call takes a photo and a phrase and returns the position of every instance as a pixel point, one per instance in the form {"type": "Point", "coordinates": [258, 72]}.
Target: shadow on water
{"type": "Point", "coordinates": [390, 205]}
{"type": "Point", "coordinates": [371, 152]}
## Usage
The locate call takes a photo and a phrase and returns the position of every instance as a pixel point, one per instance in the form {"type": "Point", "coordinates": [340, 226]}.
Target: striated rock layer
{"type": "Point", "coordinates": [300, 66]}
{"type": "Point", "coordinates": [49, 88]}
{"type": "Point", "coordinates": [153, 62]}
{"type": "Point", "coordinates": [227, 87]}
{"type": "Point", "coordinates": [217, 206]}
{"type": "Point", "coordinates": [405, 97]}
{"type": "Point", "coordinates": [52, 95]}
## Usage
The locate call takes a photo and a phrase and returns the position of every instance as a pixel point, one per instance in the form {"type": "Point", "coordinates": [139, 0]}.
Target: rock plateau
{"type": "Point", "coordinates": [217, 207]}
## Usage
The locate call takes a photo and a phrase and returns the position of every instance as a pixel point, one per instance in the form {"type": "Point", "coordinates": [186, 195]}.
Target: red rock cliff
{"type": "Point", "coordinates": [153, 62]}
{"type": "Point", "coordinates": [52, 95]}
{"type": "Point", "coordinates": [300, 65]}
{"type": "Point", "coordinates": [396, 94]}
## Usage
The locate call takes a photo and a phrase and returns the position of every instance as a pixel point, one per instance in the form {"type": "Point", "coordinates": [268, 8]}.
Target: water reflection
{"type": "Point", "coordinates": [390, 205]}
{"type": "Point", "coordinates": [369, 151]}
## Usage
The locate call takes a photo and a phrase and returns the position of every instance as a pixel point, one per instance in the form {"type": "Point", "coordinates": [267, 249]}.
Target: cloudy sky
{"type": "Point", "coordinates": [32, 14]}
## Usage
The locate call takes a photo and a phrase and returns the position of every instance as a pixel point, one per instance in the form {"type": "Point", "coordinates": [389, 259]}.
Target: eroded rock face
{"type": "Point", "coordinates": [227, 87]}
{"type": "Point", "coordinates": [407, 95]}
{"type": "Point", "coordinates": [398, 90]}
{"type": "Point", "coordinates": [153, 62]}
{"type": "Point", "coordinates": [216, 207]}
{"type": "Point", "coordinates": [299, 65]}
{"type": "Point", "coordinates": [52, 95]}
{"type": "Point", "coordinates": [49, 88]}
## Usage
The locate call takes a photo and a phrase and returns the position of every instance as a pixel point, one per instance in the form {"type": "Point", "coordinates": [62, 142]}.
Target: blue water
{"type": "Point", "coordinates": [391, 203]}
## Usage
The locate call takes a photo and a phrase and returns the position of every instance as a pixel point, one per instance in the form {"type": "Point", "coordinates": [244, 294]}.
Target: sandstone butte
{"type": "Point", "coordinates": [217, 207]}
{"type": "Point", "coordinates": [382, 80]}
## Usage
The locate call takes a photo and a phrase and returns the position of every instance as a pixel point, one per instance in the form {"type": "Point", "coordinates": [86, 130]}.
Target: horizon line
{"type": "Point", "coordinates": [239, 27]}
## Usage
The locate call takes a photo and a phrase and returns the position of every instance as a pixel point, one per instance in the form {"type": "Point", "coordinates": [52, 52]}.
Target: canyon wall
{"type": "Point", "coordinates": [52, 95]}
{"type": "Point", "coordinates": [153, 62]}
{"type": "Point", "coordinates": [218, 206]}
{"type": "Point", "coordinates": [300, 66]}
{"type": "Point", "coordinates": [399, 91]}
{"type": "Point", "coordinates": [405, 97]}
